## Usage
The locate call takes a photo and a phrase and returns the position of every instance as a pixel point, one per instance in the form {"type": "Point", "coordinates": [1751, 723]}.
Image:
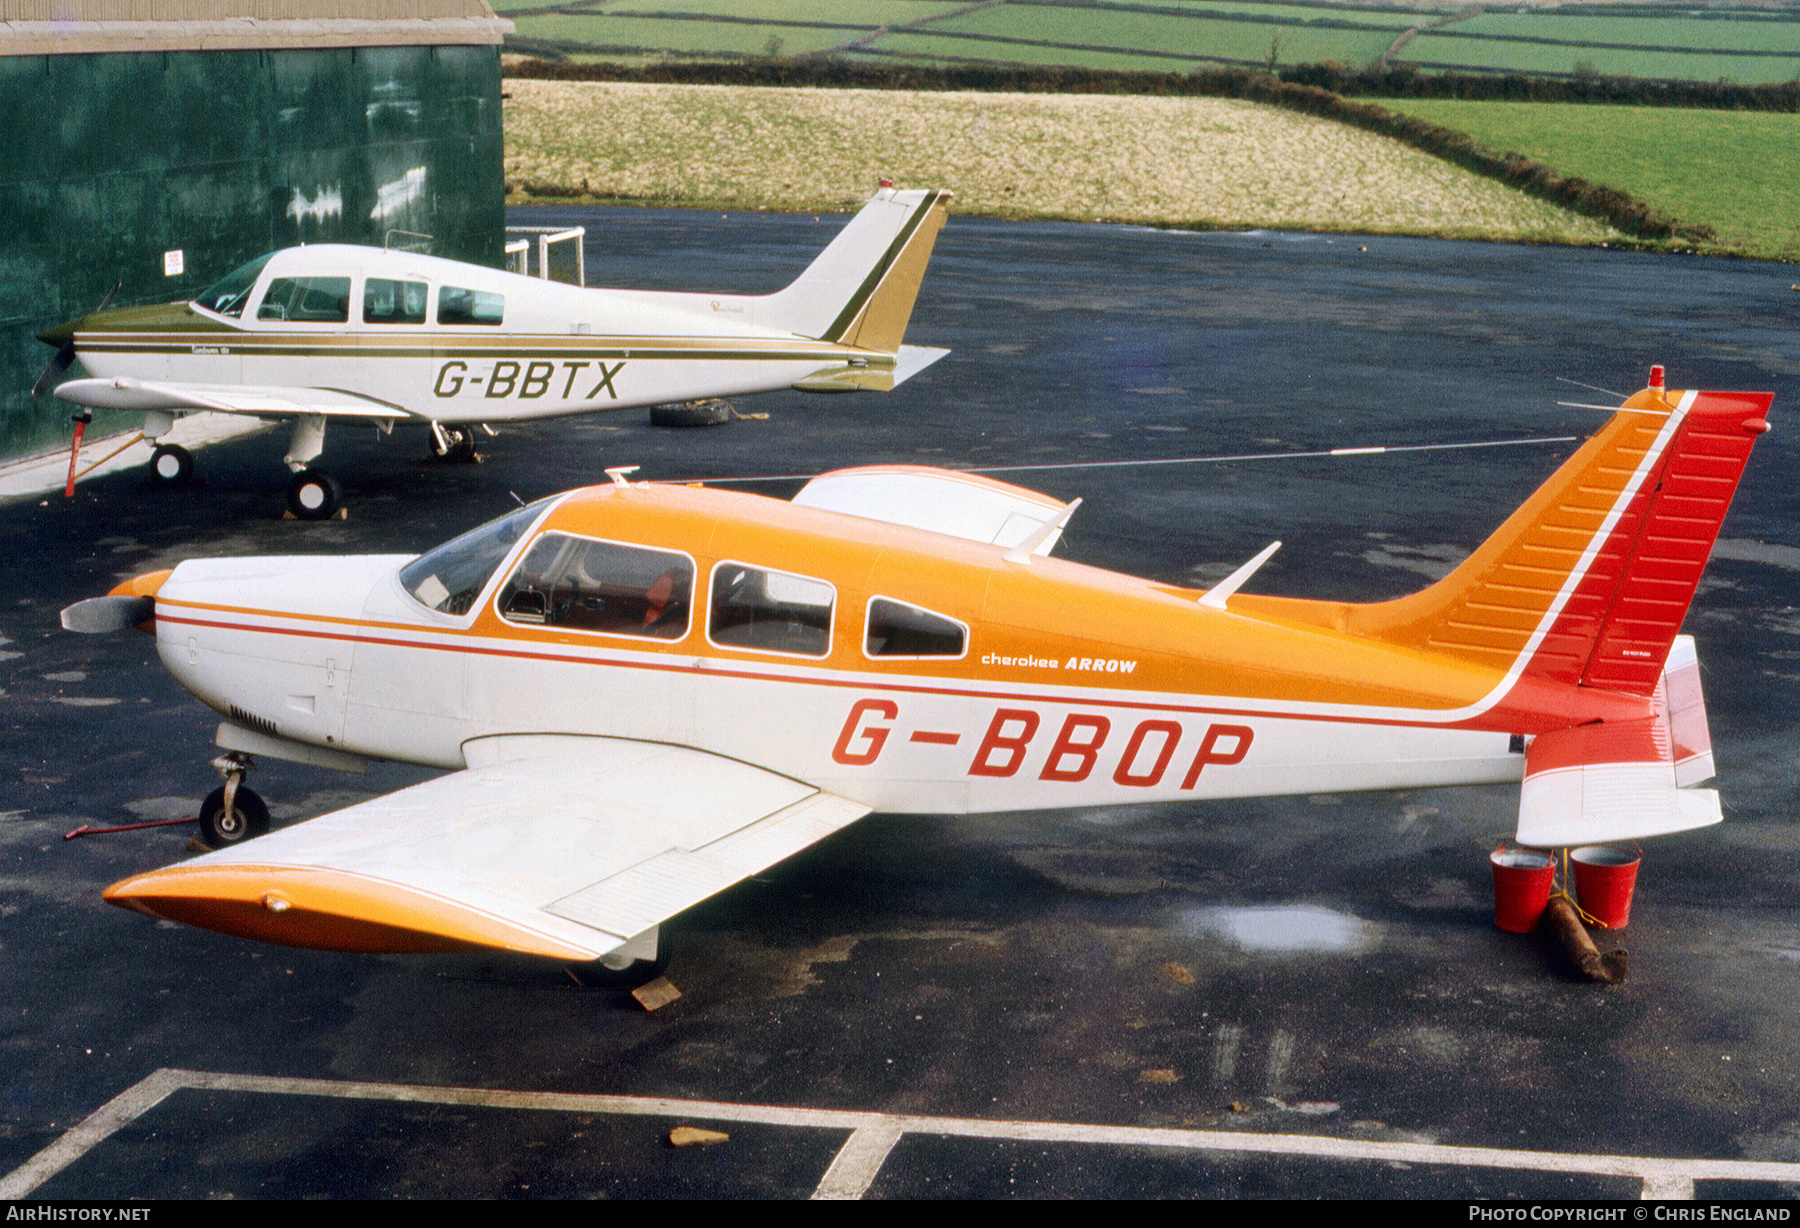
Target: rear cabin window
{"type": "Point", "coordinates": [770, 611]}
{"type": "Point", "coordinates": [590, 585]}
{"type": "Point", "coordinates": [307, 300]}
{"type": "Point", "coordinates": [896, 629]}
{"type": "Point", "coordinates": [393, 302]}
{"type": "Point", "coordinates": [459, 306]}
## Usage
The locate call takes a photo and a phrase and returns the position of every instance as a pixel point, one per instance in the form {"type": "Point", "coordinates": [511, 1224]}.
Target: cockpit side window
{"type": "Point", "coordinates": [770, 611]}
{"type": "Point", "coordinates": [228, 295]}
{"type": "Point", "coordinates": [610, 587]}
{"type": "Point", "coordinates": [459, 306]}
{"type": "Point", "coordinates": [307, 300]}
{"type": "Point", "coordinates": [394, 302]}
{"type": "Point", "coordinates": [896, 629]}
{"type": "Point", "coordinates": [450, 578]}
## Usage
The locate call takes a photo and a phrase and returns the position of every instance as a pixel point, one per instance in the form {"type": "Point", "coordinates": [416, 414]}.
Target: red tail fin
{"type": "Point", "coordinates": [1587, 583]}
{"type": "Point", "coordinates": [1615, 629]}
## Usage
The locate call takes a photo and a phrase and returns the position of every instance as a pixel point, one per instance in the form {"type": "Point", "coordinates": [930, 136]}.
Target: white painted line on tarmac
{"type": "Point", "coordinates": [857, 1162]}
{"type": "Point", "coordinates": [99, 1125]}
{"type": "Point", "coordinates": [874, 1135]}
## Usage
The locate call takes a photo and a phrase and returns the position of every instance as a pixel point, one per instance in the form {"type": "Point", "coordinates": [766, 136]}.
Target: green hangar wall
{"type": "Point", "coordinates": [163, 154]}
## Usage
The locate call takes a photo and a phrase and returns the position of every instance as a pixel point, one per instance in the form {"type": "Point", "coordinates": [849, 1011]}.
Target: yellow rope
{"type": "Point", "coordinates": [109, 456]}
{"type": "Point", "coordinates": [1587, 918]}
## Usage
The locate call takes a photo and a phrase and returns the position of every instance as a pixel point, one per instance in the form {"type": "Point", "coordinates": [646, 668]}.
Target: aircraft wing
{"type": "Point", "coordinates": [1624, 780]}
{"type": "Point", "coordinates": [123, 392]}
{"type": "Point", "coordinates": [561, 846]}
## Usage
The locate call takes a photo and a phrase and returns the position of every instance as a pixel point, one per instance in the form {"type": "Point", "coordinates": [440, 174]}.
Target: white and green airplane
{"type": "Point", "coordinates": [313, 334]}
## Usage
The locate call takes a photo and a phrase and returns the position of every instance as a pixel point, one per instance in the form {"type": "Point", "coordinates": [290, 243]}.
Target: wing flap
{"type": "Point", "coordinates": [123, 392]}
{"type": "Point", "coordinates": [557, 846]}
{"type": "Point", "coordinates": [632, 901]}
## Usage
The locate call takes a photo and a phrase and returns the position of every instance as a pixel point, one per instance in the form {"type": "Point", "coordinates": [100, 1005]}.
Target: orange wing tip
{"type": "Point", "coordinates": [326, 910]}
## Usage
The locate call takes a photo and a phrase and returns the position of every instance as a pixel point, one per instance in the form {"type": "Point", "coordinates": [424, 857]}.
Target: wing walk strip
{"type": "Point", "coordinates": [873, 1136]}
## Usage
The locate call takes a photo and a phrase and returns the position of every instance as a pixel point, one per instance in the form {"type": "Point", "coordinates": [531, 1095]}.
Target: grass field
{"type": "Point", "coordinates": [1738, 172]}
{"type": "Point", "coordinates": [1643, 40]}
{"type": "Point", "coordinates": [1206, 162]}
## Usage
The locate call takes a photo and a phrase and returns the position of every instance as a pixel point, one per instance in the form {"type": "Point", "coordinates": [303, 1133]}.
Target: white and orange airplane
{"type": "Point", "coordinates": [644, 693]}
{"type": "Point", "coordinates": [328, 333]}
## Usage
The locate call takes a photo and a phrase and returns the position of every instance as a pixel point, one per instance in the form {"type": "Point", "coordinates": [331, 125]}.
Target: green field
{"type": "Point", "coordinates": [1736, 171]}
{"type": "Point", "coordinates": [1208, 163]}
{"type": "Point", "coordinates": [1748, 46]}
{"type": "Point", "coordinates": [1733, 171]}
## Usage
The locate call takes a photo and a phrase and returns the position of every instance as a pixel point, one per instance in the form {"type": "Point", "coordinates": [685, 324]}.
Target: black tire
{"type": "Point", "coordinates": [712, 412]}
{"type": "Point", "coordinates": [171, 465]}
{"type": "Point", "coordinates": [314, 494]}
{"type": "Point", "coordinates": [248, 819]}
{"type": "Point", "coordinates": [608, 973]}
{"type": "Point", "coordinates": [461, 450]}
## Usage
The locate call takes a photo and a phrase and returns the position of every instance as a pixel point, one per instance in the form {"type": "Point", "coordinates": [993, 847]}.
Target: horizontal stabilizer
{"type": "Point", "coordinates": [860, 376]}
{"type": "Point", "coordinates": [914, 359]}
{"type": "Point", "coordinates": [1611, 781]}
{"type": "Point", "coordinates": [1681, 699]}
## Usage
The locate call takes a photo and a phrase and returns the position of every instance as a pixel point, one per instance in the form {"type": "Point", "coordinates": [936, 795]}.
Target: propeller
{"type": "Point", "coordinates": [65, 352]}
{"type": "Point", "coordinates": [102, 615]}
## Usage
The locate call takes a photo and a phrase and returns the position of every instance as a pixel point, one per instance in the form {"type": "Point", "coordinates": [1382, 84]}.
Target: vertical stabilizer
{"type": "Point", "coordinates": [860, 290]}
{"type": "Point", "coordinates": [1587, 583]}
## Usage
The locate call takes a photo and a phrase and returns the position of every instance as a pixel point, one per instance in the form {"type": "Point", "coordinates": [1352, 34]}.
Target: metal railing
{"type": "Point", "coordinates": [518, 250]}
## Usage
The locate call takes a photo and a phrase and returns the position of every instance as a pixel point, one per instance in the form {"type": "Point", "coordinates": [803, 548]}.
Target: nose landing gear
{"type": "Point", "coordinates": [232, 813]}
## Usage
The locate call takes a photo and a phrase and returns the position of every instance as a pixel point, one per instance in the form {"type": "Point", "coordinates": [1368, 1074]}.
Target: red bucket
{"type": "Point", "coordinates": [1522, 880]}
{"type": "Point", "coordinates": [1604, 879]}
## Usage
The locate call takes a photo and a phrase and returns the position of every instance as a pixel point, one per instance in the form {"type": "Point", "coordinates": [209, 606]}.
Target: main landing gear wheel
{"type": "Point", "coordinates": [455, 445]}
{"type": "Point", "coordinates": [462, 449]}
{"type": "Point", "coordinates": [638, 962]}
{"type": "Point", "coordinates": [247, 818]}
{"type": "Point", "coordinates": [171, 465]}
{"type": "Point", "coordinates": [314, 494]}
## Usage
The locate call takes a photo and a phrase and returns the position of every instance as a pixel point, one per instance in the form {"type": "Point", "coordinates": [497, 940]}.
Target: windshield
{"type": "Point", "coordinates": [450, 578]}
{"type": "Point", "coordinates": [227, 296]}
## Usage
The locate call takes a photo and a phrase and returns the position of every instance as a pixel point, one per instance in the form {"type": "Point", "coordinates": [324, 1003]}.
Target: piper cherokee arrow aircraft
{"type": "Point", "coordinates": [339, 333]}
{"type": "Point", "coordinates": [580, 668]}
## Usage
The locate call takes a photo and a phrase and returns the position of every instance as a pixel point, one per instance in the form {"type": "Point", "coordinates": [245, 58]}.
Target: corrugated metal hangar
{"type": "Point", "coordinates": [161, 144]}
